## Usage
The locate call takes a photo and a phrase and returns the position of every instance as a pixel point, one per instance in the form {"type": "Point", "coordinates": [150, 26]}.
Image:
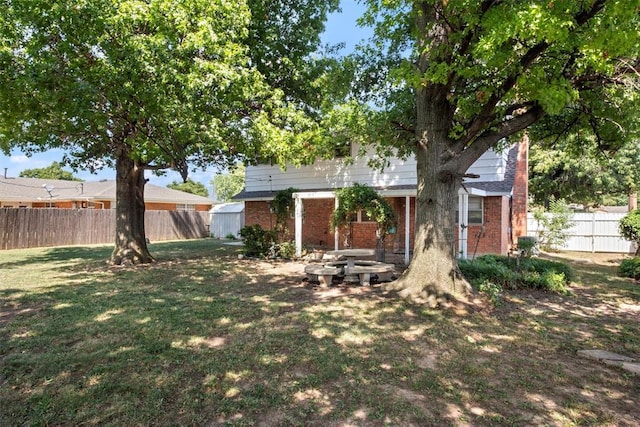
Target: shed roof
{"type": "Point", "coordinates": [227, 208]}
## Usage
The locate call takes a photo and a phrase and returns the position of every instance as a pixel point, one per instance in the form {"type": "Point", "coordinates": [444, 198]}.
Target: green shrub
{"type": "Point", "coordinates": [552, 281]}
{"type": "Point", "coordinates": [493, 291]}
{"type": "Point", "coordinates": [488, 269]}
{"type": "Point", "coordinates": [257, 241]}
{"type": "Point", "coordinates": [528, 246]}
{"type": "Point", "coordinates": [544, 266]}
{"type": "Point", "coordinates": [286, 250]}
{"type": "Point", "coordinates": [630, 227]}
{"type": "Point", "coordinates": [630, 268]}
{"type": "Point", "coordinates": [528, 273]}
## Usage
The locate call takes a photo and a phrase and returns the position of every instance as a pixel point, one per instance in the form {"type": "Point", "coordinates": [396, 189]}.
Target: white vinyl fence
{"type": "Point", "coordinates": [591, 232]}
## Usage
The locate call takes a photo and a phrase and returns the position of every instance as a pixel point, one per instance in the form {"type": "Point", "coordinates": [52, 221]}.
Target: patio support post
{"type": "Point", "coordinates": [463, 221]}
{"type": "Point", "coordinates": [298, 224]}
{"type": "Point", "coordinates": [336, 233]}
{"type": "Point", "coordinates": [407, 228]}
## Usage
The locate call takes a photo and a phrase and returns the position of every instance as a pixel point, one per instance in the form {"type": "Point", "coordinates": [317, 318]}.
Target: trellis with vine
{"type": "Point", "coordinates": [361, 197]}
{"type": "Point", "coordinates": [282, 205]}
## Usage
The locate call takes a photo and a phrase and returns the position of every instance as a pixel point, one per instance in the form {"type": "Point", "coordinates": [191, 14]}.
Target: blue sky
{"type": "Point", "coordinates": [340, 28]}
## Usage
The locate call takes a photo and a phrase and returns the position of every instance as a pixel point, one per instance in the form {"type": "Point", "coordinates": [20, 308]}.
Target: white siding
{"type": "Point", "coordinates": [591, 232]}
{"type": "Point", "coordinates": [336, 174]}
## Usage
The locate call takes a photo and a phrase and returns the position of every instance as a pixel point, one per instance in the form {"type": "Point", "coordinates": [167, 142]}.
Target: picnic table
{"type": "Point", "coordinates": [352, 254]}
{"type": "Point", "coordinates": [356, 270]}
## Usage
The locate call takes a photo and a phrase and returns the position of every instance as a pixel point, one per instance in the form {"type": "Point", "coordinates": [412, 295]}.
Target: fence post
{"type": "Point", "coordinates": [593, 232]}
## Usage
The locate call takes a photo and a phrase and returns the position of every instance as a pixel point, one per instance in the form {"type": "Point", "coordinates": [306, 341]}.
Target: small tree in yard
{"type": "Point", "coordinates": [366, 199]}
{"type": "Point", "coordinates": [630, 228]}
{"type": "Point", "coordinates": [555, 224]}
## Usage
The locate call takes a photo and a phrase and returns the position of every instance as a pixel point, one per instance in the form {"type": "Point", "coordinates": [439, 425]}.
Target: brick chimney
{"type": "Point", "coordinates": [520, 195]}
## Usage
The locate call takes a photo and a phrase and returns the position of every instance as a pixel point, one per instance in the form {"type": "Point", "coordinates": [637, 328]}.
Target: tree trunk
{"type": "Point", "coordinates": [433, 275]}
{"type": "Point", "coordinates": [633, 201]}
{"type": "Point", "coordinates": [131, 242]}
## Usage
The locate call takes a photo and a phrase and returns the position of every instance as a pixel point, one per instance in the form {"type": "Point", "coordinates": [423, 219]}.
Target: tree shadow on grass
{"type": "Point", "coordinates": [219, 341]}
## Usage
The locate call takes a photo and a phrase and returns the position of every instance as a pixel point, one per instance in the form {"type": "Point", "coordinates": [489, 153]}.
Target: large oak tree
{"type": "Point", "coordinates": [446, 80]}
{"type": "Point", "coordinates": [154, 84]}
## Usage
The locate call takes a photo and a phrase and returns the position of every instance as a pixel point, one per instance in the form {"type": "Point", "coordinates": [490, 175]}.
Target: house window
{"type": "Point", "coordinates": [185, 207]}
{"type": "Point", "coordinates": [363, 217]}
{"type": "Point", "coordinates": [475, 215]}
{"type": "Point", "coordinates": [360, 216]}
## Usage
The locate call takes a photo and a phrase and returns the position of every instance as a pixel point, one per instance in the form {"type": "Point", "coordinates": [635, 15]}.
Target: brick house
{"type": "Point", "coordinates": [494, 206]}
{"type": "Point", "coordinates": [52, 193]}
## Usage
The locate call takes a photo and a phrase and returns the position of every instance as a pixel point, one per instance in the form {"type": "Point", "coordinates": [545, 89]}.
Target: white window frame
{"type": "Point", "coordinates": [473, 213]}
{"type": "Point", "coordinates": [476, 210]}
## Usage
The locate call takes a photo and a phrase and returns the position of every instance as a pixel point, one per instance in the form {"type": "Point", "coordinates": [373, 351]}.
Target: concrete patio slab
{"type": "Point", "coordinates": [627, 363]}
{"type": "Point", "coordinates": [634, 368]}
{"type": "Point", "coordinates": [605, 355]}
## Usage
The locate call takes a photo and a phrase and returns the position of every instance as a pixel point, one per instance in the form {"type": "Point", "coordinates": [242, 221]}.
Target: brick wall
{"type": "Point", "coordinates": [258, 213]}
{"type": "Point", "coordinates": [493, 234]}
{"type": "Point", "coordinates": [316, 232]}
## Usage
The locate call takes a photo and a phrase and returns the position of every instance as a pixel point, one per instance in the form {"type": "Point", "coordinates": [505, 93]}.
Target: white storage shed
{"type": "Point", "coordinates": [226, 219]}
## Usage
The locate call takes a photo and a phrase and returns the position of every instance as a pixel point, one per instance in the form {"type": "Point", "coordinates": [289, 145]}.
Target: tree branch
{"type": "Point", "coordinates": [403, 127]}
{"type": "Point", "coordinates": [490, 137]}
{"type": "Point", "coordinates": [486, 114]}
{"type": "Point", "coordinates": [465, 44]}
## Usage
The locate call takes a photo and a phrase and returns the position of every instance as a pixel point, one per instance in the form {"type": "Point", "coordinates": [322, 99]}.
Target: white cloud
{"type": "Point", "coordinates": [19, 159]}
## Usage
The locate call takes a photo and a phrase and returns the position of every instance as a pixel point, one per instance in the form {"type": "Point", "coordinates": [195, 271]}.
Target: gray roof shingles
{"type": "Point", "coordinates": [35, 189]}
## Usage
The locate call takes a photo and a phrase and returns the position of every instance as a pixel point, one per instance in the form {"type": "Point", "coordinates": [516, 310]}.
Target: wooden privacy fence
{"type": "Point", "coordinates": [591, 232]}
{"type": "Point", "coordinates": [30, 228]}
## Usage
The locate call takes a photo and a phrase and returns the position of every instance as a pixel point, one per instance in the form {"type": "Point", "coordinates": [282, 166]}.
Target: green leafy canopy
{"type": "Point", "coordinates": [630, 228]}
{"type": "Point", "coordinates": [501, 66]}
{"type": "Point", "coordinates": [190, 186]}
{"type": "Point", "coordinates": [53, 171]}
{"type": "Point", "coordinates": [227, 185]}
{"type": "Point", "coordinates": [172, 83]}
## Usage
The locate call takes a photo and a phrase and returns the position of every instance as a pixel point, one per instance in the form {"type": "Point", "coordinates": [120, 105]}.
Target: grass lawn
{"type": "Point", "coordinates": [203, 338]}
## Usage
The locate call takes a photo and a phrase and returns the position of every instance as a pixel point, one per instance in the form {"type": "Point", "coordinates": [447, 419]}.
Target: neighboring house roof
{"type": "Point", "coordinates": [612, 209]}
{"type": "Point", "coordinates": [503, 187]}
{"type": "Point", "coordinates": [45, 190]}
